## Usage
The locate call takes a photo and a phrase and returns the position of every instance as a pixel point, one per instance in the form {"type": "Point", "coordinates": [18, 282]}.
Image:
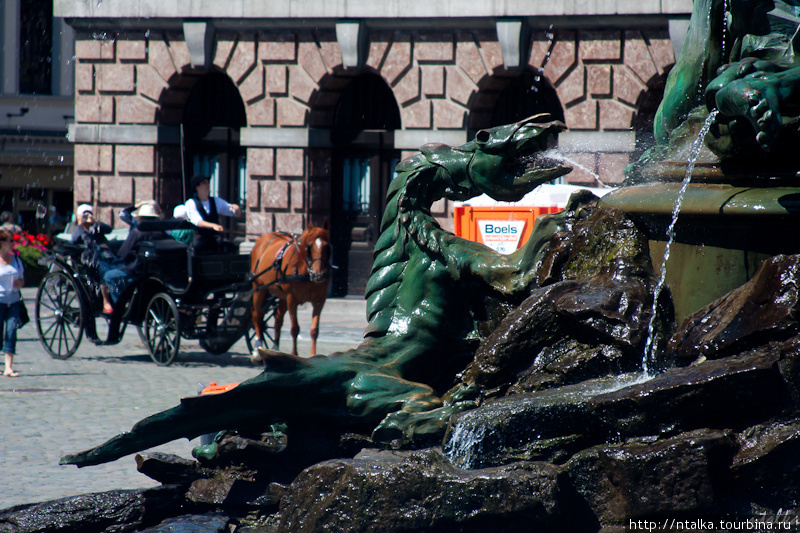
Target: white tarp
{"type": "Point", "coordinates": [542, 196]}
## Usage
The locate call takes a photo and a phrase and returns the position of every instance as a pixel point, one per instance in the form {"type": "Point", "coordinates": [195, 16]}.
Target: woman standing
{"type": "Point", "coordinates": [12, 278]}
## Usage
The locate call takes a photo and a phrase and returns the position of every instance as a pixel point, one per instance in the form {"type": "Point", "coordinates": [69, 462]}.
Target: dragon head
{"type": "Point", "coordinates": [505, 162]}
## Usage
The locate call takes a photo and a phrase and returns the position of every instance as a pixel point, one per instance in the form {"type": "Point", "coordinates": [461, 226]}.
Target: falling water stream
{"type": "Point", "coordinates": [468, 437]}
{"type": "Point", "coordinates": [649, 347]}
{"type": "Point", "coordinates": [554, 153]}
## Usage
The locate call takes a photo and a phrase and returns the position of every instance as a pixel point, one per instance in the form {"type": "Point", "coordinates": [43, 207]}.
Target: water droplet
{"type": "Point", "coordinates": [41, 211]}
{"type": "Point", "coordinates": [147, 34]}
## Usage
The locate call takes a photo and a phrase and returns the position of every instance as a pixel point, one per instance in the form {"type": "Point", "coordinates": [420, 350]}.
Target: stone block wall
{"type": "Point", "coordinates": [601, 78]}
{"type": "Point", "coordinates": [116, 84]}
{"type": "Point", "coordinates": [292, 80]}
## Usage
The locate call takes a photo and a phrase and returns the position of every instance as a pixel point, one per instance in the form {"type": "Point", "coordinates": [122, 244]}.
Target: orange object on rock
{"type": "Point", "coordinates": [213, 388]}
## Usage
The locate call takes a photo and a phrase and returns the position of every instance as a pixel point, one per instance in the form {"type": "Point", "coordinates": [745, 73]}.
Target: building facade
{"type": "Point", "coordinates": [36, 105]}
{"type": "Point", "coordinates": [299, 110]}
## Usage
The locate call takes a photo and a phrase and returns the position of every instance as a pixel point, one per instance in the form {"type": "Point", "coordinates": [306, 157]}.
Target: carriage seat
{"type": "Point", "coordinates": [165, 259]}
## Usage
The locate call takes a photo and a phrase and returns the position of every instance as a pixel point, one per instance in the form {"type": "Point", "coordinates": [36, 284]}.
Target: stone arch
{"type": "Point", "coordinates": [213, 101]}
{"type": "Point", "coordinates": [324, 100]}
{"type": "Point", "coordinates": [503, 100]}
{"type": "Point", "coordinates": [173, 98]}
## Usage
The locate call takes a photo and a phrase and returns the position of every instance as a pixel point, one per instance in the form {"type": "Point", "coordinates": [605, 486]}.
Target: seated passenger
{"type": "Point", "coordinates": [117, 279]}
{"type": "Point", "coordinates": [89, 228]}
{"type": "Point", "coordinates": [127, 214]}
{"type": "Point", "coordinates": [203, 211]}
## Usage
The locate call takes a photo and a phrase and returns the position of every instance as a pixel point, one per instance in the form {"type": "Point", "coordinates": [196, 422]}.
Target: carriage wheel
{"type": "Point", "coordinates": [59, 317]}
{"type": "Point", "coordinates": [162, 330]}
{"type": "Point", "coordinates": [267, 324]}
{"type": "Point", "coordinates": [142, 337]}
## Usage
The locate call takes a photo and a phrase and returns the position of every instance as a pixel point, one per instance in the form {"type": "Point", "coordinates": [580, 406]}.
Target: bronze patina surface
{"type": "Point", "coordinates": [426, 289]}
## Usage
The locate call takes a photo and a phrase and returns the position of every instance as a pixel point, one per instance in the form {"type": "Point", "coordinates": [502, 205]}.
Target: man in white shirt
{"type": "Point", "coordinates": [203, 211]}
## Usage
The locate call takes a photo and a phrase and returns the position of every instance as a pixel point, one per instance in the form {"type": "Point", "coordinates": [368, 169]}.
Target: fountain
{"type": "Point", "coordinates": [570, 386]}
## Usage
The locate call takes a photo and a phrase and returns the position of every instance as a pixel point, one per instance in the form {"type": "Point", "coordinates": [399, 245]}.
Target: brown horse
{"type": "Point", "coordinates": [296, 270]}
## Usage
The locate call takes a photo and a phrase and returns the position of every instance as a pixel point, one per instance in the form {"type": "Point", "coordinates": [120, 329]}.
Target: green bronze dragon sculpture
{"type": "Point", "coordinates": [427, 291]}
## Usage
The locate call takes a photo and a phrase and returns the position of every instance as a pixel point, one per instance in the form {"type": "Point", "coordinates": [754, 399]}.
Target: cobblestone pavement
{"type": "Point", "coordinates": [58, 407]}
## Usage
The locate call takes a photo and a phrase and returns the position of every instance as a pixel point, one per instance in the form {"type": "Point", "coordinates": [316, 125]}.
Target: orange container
{"type": "Point", "coordinates": [213, 388]}
{"type": "Point", "coordinates": [504, 229]}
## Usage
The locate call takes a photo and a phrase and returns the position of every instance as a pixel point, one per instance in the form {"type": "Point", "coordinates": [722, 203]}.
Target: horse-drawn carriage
{"type": "Point", "coordinates": [177, 295]}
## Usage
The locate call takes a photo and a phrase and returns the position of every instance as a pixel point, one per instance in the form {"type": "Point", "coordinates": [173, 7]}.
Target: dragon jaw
{"type": "Point", "coordinates": [508, 161]}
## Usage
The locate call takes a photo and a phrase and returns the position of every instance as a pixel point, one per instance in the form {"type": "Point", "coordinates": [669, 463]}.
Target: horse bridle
{"type": "Point", "coordinates": [310, 264]}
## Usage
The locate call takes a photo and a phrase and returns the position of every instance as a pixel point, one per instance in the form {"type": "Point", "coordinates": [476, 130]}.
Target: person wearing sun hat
{"type": "Point", "coordinates": [128, 214]}
{"type": "Point", "coordinates": [117, 279]}
{"type": "Point", "coordinates": [204, 211]}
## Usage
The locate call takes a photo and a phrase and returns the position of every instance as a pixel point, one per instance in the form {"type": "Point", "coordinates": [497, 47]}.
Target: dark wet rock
{"type": "Point", "coordinates": [567, 361]}
{"type": "Point", "coordinates": [259, 524]}
{"type": "Point", "coordinates": [229, 489]}
{"type": "Point", "coordinates": [587, 247]}
{"type": "Point", "coordinates": [763, 309]}
{"type": "Point", "coordinates": [734, 392]}
{"type": "Point", "coordinates": [352, 443]}
{"type": "Point", "coordinates": [203, 523]}
{"type": "Point", "coordinates": [590, 320]}
{"type": "Point", "coordinates": [170, 469]}
{"type": "Point", "coordinates": [729, 393]}
{"type": "Point", "coordinates": [234, 449]}
{"type": "Point", "coordinates": [112, 511]}
{"type": "Point", "coordinates": [766, 468]}
{"type": "Point", "coordinates": [683, 475]}
{"type": "Point", "coordinates": [265, 457]}
{"type": "Point", "coordinates": [565, 333]}
{"type": "Point", "coordinates": [789, 367]}
{"type": "Point", "coordinates": [241, 473]}
{"type": "Point", "coordinates": [391, 491]}
{"type": "Point", "coordinates": [541, 426]}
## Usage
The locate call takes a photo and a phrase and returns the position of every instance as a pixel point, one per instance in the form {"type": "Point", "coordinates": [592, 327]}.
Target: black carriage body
{"type": "Point", "coordinates": [175, 295]}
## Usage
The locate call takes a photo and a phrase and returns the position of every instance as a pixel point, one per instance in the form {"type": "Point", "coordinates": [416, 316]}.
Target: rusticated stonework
{"type": "Point", "coordinates": [291, 81]}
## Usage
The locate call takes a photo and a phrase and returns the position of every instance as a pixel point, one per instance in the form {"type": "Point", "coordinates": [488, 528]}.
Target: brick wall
{"type": "Point", "coordinates": [116, 84]}
{"type": "Point", "coordinates": [440, 80]}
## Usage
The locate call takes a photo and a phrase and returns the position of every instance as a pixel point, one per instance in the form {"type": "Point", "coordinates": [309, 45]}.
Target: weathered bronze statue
{"type": "Point", "coordinates": [427, 289]}
{"type": "Point", "coordinates": [740, 61]}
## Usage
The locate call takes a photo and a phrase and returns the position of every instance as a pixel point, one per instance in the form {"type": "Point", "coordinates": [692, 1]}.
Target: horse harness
{"type": "Point", "coordinates": [277, 263]}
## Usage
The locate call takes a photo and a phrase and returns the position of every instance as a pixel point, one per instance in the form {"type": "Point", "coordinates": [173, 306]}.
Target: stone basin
{"type": "Point", "coordinates": [722, 235]}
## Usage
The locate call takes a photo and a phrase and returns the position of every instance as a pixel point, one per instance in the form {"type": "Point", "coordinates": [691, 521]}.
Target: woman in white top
{"type": "Point", "coordinates": [12, 278]}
